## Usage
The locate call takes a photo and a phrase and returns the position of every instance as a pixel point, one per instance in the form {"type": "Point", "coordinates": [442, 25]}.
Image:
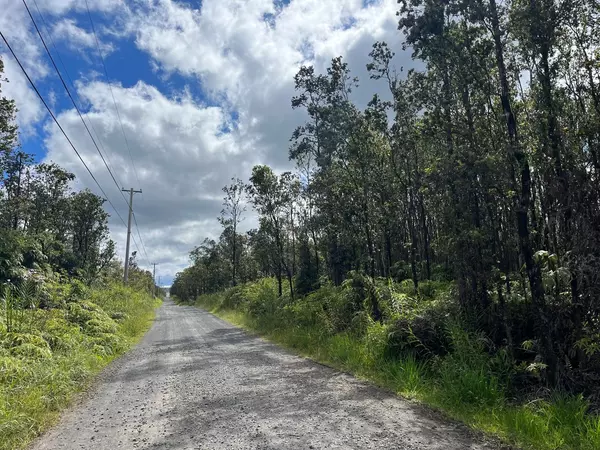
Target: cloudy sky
{"type": "Point", "coordinates": [203, 91]}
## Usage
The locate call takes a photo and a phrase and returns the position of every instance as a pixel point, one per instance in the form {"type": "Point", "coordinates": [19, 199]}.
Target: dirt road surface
{"type": "Point", "coordinates": [196, 382]}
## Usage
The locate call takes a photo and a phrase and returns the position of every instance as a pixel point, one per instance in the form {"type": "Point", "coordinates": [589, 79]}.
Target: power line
{"type": "Point", "coordinates": [140, 236]}
{"type": "Point", "coordinates": [76, 107]}
{"type": "Point", "coordinates": [59, 125]}
{"type": "Point", "coordinates": [66, 71]}
{"type": "Point", "coordinates": [111, 91]}
{"type": "Point", "coordinates": [131, 192]}
{"type": "Point", "coordinates": [71, 97]}
{"type": "Point", "coordinates": [120, 122]}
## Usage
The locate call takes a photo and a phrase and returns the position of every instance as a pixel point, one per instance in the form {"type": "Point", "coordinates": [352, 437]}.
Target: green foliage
{"type": "Point", "coordinates": [465, 374]}
{"type": "Point", "coordinates": [423, 351]}
{"type": "Point", "coordinates": [41, 368]}
{"type": "Point", "coordinates": [44, 226]}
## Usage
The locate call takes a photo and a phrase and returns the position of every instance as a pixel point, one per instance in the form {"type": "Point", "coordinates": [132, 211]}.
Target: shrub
{"type": "Point", "coordinates": [424, 336]}
{"type": "Point", "coordinates": [233, 298]}
{"type": "Point", "coordinates": [360, 323]}
{"type": "Point", "coordinates": [110, 344]}
{"type": "Point", "coordinates": [261, 298]}
{"type": "Point", "coordinates": [12, 369]}
{"type": "Point", "coordinates": [24, 345]}
{"type": "Point", "coordinates": [95, 327]}
{"type": "Point", "coordinates": [60, 334]}
{"type": "Point", "coordinates": [465, 373]}
{"type": "Point", "coordinates": [31, 351]}
{"type": "Point", "coordinates": [40, 369]}
{"type": "Point", "coordinates": [119, 316]}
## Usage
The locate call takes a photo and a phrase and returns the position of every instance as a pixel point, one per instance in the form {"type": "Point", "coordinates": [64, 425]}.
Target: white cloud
{"type": "Point", "coordinates": [181, 155]}
{"type": "Point", "coordinates": [14, 23]}
{"type": "Point", "coordinates": [237, 55]}
{"type": "Point", "coordinates": [243, 54]}
{"type": "Point", "coordinates": [59, 7]}
{"type": "Point", "coordinates": [247, 52]}
{"type": "Point", "coordinates": [78, 39]}
{"type": "Point", "coordinates": [17, 27]}
{"type": "Point", "coordinates": [30, 109]}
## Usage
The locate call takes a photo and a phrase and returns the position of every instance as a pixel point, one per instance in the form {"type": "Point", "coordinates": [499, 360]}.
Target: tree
{"type": "Point", "coordinates": [467, 173]}
{"type": "Point", "coordinates": [271, 195]}
{"type": "Point", "coordinates": [231, 216]}
{"type": "Point", "coordinates": [92, 250]}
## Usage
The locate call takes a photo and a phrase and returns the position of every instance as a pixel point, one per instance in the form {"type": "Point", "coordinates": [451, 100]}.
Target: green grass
{"type": "Point", "coordinates": [460, 384]}
{"type": "Point", "coordinates": [36, 386]}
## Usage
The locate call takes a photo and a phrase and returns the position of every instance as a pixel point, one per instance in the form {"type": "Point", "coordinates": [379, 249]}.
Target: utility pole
{"type": "Point", "coordinates": [154, 279]}
{"type": "Point", "coordinates": [131, 192]}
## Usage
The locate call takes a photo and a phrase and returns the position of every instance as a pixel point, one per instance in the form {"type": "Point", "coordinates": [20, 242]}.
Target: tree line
{"type": "Point", "coordinates": [45, 226]}
{"type": "Point", "coordinates": [482, 168]}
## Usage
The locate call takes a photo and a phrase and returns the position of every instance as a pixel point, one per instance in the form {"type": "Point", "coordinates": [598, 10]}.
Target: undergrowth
{"type": "Point", "coordinates": [48, 354]}
{"type": "Point", "coordinates": [419, 352]}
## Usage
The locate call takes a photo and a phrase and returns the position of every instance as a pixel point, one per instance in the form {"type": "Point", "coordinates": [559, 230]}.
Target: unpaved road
{"type": "Point", "coordinates": [196, 382]}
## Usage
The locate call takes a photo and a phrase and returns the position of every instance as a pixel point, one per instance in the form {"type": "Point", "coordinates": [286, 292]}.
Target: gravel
{"type": "Point", "coordinates": [196, 382]}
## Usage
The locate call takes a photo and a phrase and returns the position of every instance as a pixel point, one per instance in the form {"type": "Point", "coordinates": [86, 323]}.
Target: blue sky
{"type": "Point", "coordinates": [203, 91]}
{"type": "Point", "coordinates": [125, 65]}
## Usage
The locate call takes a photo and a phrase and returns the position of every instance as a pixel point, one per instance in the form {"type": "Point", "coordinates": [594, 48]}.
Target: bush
{"type": "Point", "coordinates": [30, 351]}
{"type": "Point", "coordinates": [233, 298]}
{"type": "Point", "coordinates": [261, 299]}
{"type": "Point", "coordinates": [81, 313]}
{"type": "Point", "coordinates": [95, 327]}
{"type": "Point", "coordinates": [64, 346]}
{"type": "Point", "coordinates": [465, 374]}
{"type": "Point", "coordinates": [108, 344]}
{"type": "Point", "coordinates": [119, 316]}
{"type": "Point", "coordinates": [11, 340]}
{"type": "Point", "coordinates": [12, 369]}
{"type": "Point", "coordinates": [424, 336]}
{"type": "Point", "coordinates": [60, 334]}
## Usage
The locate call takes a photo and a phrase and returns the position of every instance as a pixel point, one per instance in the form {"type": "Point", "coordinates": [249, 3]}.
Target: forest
{"type": "Point", "coordinates": [64, 311]}
{"type": "Point", "coordinates": [455, 221]}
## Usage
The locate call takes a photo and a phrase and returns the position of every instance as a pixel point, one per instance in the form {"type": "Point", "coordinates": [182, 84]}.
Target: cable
{"type": "Point", "coordinates": [120, 122]}
{"type": "Point", "coordinates": [66, 71]}
{"type": "Point", "coordinates": [136, 245]}
{"type": "Point", "coordinates": [140, 236]}
{"type": "Point", "coordinates": [59, 125]}
{"type": "Point", "coordinates": [78, 110]}
{"type": "Point", "coordinates": [71, 97]}
{"type": "Point", "coordinates": [111, 91]}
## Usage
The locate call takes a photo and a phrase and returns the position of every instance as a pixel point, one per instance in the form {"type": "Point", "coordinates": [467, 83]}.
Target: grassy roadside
{"type": "Point", "coordinates": [466, 384]}
{"type": "Point", "coordinates": [48, 355]}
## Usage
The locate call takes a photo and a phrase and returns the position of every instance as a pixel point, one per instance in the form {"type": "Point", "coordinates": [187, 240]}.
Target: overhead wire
{"type": "Point", "coordinates": [111, 91]}
{"type": "Point", "coordinates": [118, 116]}
{"type": "Point", "coordinates": [79, 112]}
{"type": "Point", "coordinates": [66, 72]}
{"type": "Point", "coordinates": [106, 164]}
{"type": "Point", "coordinates": [72, 99]}
{"type": "Point", "coordinates": [141, 240]}
{"type": "Point", "coordinates": [34, 87]}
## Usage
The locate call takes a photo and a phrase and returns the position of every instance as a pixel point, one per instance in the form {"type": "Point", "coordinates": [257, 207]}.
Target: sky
{"type": "Point", "coordinates": [197, 92]}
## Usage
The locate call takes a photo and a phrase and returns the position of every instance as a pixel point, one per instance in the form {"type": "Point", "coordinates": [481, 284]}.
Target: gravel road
{"type": "Point", "coordinates": [196, 382]}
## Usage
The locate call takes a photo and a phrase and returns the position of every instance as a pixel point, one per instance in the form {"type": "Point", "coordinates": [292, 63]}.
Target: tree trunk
{"type": "Point", "coordinates": [522, 208]}
{"type": "Point", "coordinates": [234, 245]}
{"type": "Point", "coordinates": [425, 230]}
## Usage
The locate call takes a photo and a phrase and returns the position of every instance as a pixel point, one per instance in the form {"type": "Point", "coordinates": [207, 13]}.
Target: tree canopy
{"type": "Point", "coordinates": [481, 169]}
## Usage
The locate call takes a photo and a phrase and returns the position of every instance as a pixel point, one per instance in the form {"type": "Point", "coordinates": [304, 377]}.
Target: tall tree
{"type": "Point", "coordinates": [231, 216]}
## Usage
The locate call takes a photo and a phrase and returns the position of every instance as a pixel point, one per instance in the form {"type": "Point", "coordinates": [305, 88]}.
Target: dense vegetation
{"type": "Point", "coordinates": [64, 313]}
{"type": "Point", "coordinates": [418, 350]}
{"type": "Point", "coordinates": [479, 173]}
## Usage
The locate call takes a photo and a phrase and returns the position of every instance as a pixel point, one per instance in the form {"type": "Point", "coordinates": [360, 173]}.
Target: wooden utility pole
{"type": "Point", "coordinates": [131, 192]}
